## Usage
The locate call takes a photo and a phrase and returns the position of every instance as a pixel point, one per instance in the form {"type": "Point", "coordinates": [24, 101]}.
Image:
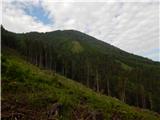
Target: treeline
{"type": "Point", "coordinates": [100, 71]}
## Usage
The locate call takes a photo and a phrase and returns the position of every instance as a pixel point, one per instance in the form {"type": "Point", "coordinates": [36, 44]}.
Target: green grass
{"type": "Point", "coordinates": [35, 90]}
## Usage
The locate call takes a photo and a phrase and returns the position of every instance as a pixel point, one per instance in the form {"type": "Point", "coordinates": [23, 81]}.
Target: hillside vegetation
{"type": "Point", "coordinates": [104, 68]}
{"type": "Point", "coordinates": [31, 93]}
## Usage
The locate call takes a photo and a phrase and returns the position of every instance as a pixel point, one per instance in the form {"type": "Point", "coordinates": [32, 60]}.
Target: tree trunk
{"type": "Point", "coordinates": [40, 60]}
{"type": "Point", "coordinates": [150, 101]}
{"type": "Point", "coordinates": [124, 90]}
{"type": "Point", "coordinates": [143, 101]}
{"type": "Point", "coordinates": [97, 81]}
{"type": "Point", "coordinates": [108, 90]}
{"type": "Point", "coordinates": [72, 71]}
{"type": "Point", "coordinates": [88, 75]}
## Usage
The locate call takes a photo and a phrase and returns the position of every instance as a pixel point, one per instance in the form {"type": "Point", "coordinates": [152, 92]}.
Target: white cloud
{"type": "Point", "coordinates": [131, 26]}
{"type": "Point", "coordinates": [15, 19]}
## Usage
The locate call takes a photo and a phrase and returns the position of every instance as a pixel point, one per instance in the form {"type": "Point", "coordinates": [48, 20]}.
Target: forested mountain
{"type": "Point", "coordinates": [30, 93]}
{"type": "Point", "coordinates": [104, 68]}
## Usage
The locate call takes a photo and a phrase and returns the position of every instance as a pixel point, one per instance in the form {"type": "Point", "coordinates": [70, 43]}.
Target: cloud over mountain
{"type": "Point", "coordinates": [131, 26]}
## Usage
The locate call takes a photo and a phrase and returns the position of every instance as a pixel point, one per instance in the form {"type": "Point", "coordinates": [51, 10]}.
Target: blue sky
{"type": "Point", "coordinates": [154, 54]}
{"type": "Point", "coordinates": [130, 26]}
{"type": "Point", "coordinates": [39, 13]}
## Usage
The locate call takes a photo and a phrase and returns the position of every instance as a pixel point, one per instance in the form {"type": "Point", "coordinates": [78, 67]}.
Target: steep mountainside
{"type": "Point", "coordinates": [30, 93]}
{"type": "Point", "coordinates": [104, 68]}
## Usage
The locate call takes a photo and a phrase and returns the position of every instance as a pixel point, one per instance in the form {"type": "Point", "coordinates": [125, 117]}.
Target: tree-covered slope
{"type": "Point", "coordinates": [30, 93]}
{"type": "Point", "coordinates": [104, 68]}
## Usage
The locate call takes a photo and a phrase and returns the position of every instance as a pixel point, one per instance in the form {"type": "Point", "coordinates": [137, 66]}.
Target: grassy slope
{"type": "Point", "coordinates": [30, 92]}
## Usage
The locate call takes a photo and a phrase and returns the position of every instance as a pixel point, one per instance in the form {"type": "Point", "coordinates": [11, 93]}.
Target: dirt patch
{"type": "Point", "coordinates": [19, 110]}
{"type": "Point", "coordinates": [54, 111]}
{"type": "Point", "coordinates": [84, 113]}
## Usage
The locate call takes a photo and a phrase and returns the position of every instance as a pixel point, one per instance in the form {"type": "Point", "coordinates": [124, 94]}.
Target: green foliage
{"type": "Point", "coordinates": [39, 89]}
{"type": "Point", "coordinates": [85, 59]}
{"type": "Point", "coordinates": [76, 47]}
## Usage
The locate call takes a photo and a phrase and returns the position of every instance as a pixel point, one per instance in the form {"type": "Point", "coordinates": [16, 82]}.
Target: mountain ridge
{"type": "Point", "coordinates": [70, 31]}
